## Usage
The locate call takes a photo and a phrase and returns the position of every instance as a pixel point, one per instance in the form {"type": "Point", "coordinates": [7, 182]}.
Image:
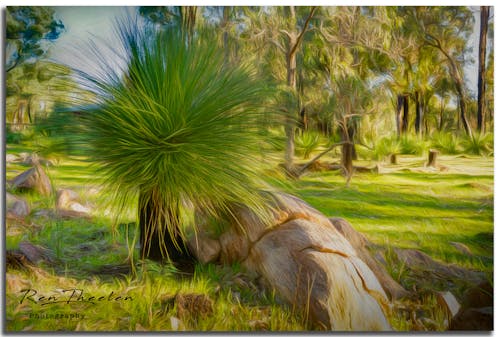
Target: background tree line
{"type": "Point", "coordinates": [354, 74]}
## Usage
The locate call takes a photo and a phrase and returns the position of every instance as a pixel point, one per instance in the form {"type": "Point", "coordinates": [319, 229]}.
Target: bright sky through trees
{"type": "Point", "coordinates": [85, 22]}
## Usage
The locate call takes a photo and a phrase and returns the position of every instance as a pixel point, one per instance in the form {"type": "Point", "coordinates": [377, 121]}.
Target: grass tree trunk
{"type": "Point", "coordinates": [157, 242]}
{"type": "Point", "coordinates": [481, 83]}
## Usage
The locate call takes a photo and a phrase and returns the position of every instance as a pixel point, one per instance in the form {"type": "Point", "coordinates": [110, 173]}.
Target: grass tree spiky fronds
{"type": "Point", "coordinates": [176, 126]}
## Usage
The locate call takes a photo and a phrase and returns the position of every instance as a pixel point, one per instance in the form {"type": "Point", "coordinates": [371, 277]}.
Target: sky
{"type": "Point", "coordinates": [84, 23]}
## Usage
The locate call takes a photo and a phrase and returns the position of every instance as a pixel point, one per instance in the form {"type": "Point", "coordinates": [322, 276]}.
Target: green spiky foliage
{"type": "Point", "coordinates": [308, 142]}
{"type": "Point", "coordinates": [176, 128]}
{"type": "Point", "coordinates": [446, 142]}
{"type": "Point", "coordinates": [479, 144]}
{"type": "Point", "coordinates": [386, 146]}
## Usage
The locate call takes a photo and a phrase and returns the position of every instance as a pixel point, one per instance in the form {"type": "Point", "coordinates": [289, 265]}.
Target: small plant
{"type": "Point", "coordinates": [479, 144]}
{"type": "Point", "coordinates": [307, 143]}
{"type": "Point", "coordinates": [447, 143]}
{"type": "Point", "coordinates": [13, 137]}
{"type": "Point", "coordinates": [386, 146]}
{"type": "Point", "coordinates": [412, 145]}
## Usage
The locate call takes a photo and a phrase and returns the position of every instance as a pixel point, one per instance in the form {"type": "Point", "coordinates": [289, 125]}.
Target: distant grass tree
{"type": "Point", "coordinates": [176, 128]}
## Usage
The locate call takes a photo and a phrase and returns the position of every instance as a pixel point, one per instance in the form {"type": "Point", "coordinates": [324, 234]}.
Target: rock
{"type": "Point", "coordinates": [64, 197]}
{"type": "Point", "coordinates": [33, 179]}
{"type": "Point", "coordinates": [35, 253]}
{"type": "Point", "coordinates": [479, 296]}
{"type": "Point", "coordinates": [427, 267]}
{"type": "Point", "coordinates": [76, 207]}
{"type": "Point", "coordinates": [23, 156]}
{"type": "Point", "coordinates": [477, 309]}
{"type": "Point", "coordinates": [16, 207]}
{"type": "Point", "coordinates": [204, 247]}
{"type": "Point", "coordinates": [473, 319]}
{"type": "Point", "coordinates": [70, 214]}
{"type": "Point", "coordinates": [462, 248]}
{"type": "Point", "coordinates": [176, 324]}
{"type": "Point", "coordinates": [298, 253]}
{"type": "Point", "coordinates": [68, 200]}
{"type": "Point", "coordinates": [301, 257]}
{"type": "Point", "coordinates": [448, 302]}
{"type": "Point", "coordinates": [360, 243]}
{"type": "Point", "coordinates": [234, 246]}
{"type": "Point", "coordinates": [32, 159]}
{"type": "Point", "coordinates": [60, 214]}
{"type": "Point", "coordinates": [11, 158]}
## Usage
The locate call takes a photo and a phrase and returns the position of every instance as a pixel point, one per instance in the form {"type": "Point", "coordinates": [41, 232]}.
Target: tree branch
{"type": "Point", "coordinates": [331, 147]}
{"type": "Point", "coordinates": [278, 45]}
{"type": "Point", "coordinates": [293, 50]}
{"type": "Point", "coordinates": [14, 65]}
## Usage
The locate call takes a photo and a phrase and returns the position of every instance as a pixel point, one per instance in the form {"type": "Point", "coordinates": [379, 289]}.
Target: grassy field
{"type": "Point", "coordinates": [403, 206]}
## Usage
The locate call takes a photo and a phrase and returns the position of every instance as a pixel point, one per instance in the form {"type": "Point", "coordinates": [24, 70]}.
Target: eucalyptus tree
{"type": "Point", "coordinates": [175, 129]}
{"type": "Point", "coordinates": [283, 28]}
{"type": "Point", "coordinates": [481, 80]}
{"type": "Point", "coordinates": [447, 30]}
{"type": "Point", "coordinates": [28, 28]}
{"type": "Point", "coordinates": [357, 50]}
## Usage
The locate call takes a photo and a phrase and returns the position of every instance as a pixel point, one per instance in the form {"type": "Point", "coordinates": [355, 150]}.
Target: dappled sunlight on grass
{"type": "Point", "coordinates": [415, 210]}
{"type": "Point", "coordinates": [424, 210]}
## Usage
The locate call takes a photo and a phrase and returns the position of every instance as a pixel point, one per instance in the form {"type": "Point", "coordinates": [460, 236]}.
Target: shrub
{"type": "Point", "coordinates": [479, 144]}
{"type": "Point", "coordinates": [307, 142]}
{"type": "Point", "coordinates": [385, 146]}
{"type": "Point", "coordinates": [412, 145]}
{"type": "Point", "coordinates": [446, 142]}
{"type": "Point", "coordinates": [176, 126]}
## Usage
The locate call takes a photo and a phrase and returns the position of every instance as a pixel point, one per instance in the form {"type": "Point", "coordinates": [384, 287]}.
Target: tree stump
{"type": "Point", "coordinates": [432, 159]}
{"type": "Point", "coordinates": [393, 158]}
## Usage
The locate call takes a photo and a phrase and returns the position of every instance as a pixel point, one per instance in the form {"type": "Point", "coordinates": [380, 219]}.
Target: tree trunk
{"type": "Point", "coordinates": [346, 152]}
{"type": "Point", "coordinates": [19, 115]}
{"type": "Point", "coordinates": [463, 109]}
{"type": "Point", "coordinates": [418, 113]}
{"type": "Point", "coordinates": [459, 85]}
{"type": "Point", "coordinates": [294, 41]}
{"type": "Point", "coordinates": [405, 114]}
{"type": "Point", "coordinates": [353, 126]}
{"type": "Point", "coordinates": [157, 243]}
{"type": "Point", "coordinates": [441, 115]}
{"type": "Point", "coordinates": [399, 115]}
{"type": "Point", "coordinates": [225, 36]}
{"type": "Point", "coordinates": [481, 81]}
{"type": "Point", "coordinates": [291, 67]}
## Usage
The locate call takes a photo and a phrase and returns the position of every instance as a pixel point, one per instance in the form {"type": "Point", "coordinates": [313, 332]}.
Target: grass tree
{"type": "Point", "coordinates": [176, 128]}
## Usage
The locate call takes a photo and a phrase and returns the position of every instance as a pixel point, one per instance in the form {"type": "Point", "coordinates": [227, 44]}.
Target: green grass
{"type": "Point", "coordinates": [411, 207]}
{"type": "Point", "coordinates": [423, 211]}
